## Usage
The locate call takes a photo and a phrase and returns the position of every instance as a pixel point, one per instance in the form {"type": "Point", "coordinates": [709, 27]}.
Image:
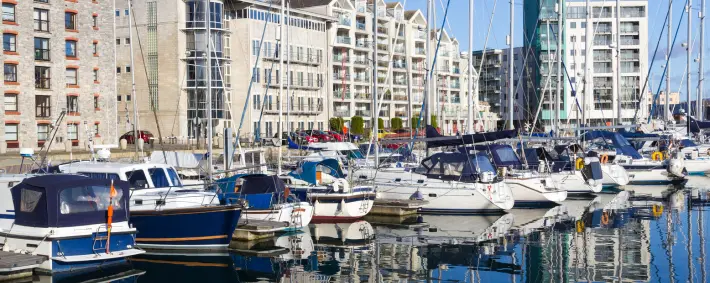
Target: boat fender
{"type": "Point", "coordinates": [657, 156]}
{"type": "Point", "coordinates": [604, 159]}
{"type": "Point", "coordinates": [579, 164]}
{"type": "Point", "coordinates": [657, 210]}
{"type": "Point", "coordinates": [416, 196]}
{"type": "Point", "coordinates": [605, 218]}
{"type": "Point", "coordinates": [580, 226]}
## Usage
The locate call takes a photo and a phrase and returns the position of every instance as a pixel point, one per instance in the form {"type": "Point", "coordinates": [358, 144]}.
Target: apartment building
{"type": "Point", "coordinates": [597, 95]}
{"type": "Point", "coordinates": [66, 49]}
{"type": "Point", "coordinates": [256, 52]}
{"type": "Point", "coordinates": [492, 66]}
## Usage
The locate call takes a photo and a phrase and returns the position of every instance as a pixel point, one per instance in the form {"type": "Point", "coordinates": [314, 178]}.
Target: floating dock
{"type": "Point", "coordinates": [14, 265]}
{"type": "Point", "coordinates": [252, 230]}
{"type": "Point", "coordinates": [397, 207]}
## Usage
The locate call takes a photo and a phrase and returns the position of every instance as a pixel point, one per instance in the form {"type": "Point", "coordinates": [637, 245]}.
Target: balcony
{"type": "Point", "coordinates": [340, 58]}
{"type": "Point", "coordinates": [381, 30]}
{"type": "Point", "coordinates": [362, 43]}
{"type": "Point", "coordinates": [629, 56]}
{"type": "Point", "coordinates": [362, 95]}
{"type": "Point", "coordinates": [360, 61]}
{"type": "Point", "coordinates": [341, 112]}
{"type": "Point", "coordinates": [602, 57]}
{"type": "Point", "coordinates": [400, 81]}
{"type": "Point", "coordinates": [400, 113]}
{"type": "Point", "coordinates": [457, 70]}
{"type": "Point", "coordinates": [362, 113]}
{"type": "Point", "coordinates": [360, 26]}
{"type": "Point", "coordinates": [602, 29]}
{"type": "Point", "coordinates": [629, 41]}
{"type": "Point", "coordinates": [344, 21]}
{"type": "Point", "coordinates": [399, 49]}
{"type": "Point", "coordinates": [362, 78]}
{"type": "Point", "coordinates": [340, 76]}
{"type": "Point", "coordinates": [400, 97]}
{"type": "Point", "coordinates": [629, 29]}
{"type": "Point", "coordinates": [399, 65]}
{"type": "Point", "coordinates": [419, 51]}
{"type": "Point", "coordinates": [338, 93]}
{"type": "Point", "coordinates": [343, 40]}
{"type": "Point", "coordinates": [420, 35]}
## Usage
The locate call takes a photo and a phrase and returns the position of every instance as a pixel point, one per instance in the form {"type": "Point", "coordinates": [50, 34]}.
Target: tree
{"type": "Point", "coordinates": [433, 121]}
{"type": "Point", "coordinates": [336, 124]}
{"type": "Point", "coordinates": [380, 123]}
{"type": "Point", "coordinates": [415, 122]}
{"type": "Point", "coordinates": [357, 125]}
{"type": "Point", "coordinates": [396, 123]}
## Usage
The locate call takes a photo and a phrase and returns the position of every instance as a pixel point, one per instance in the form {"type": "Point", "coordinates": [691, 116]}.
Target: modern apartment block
{"type": "Point", "coordinates": [255, 53]}
{"type": "Point", "coordinates": [492, 67]}
{"type": "Point", "coordinates": [66, 49]}
{"type": "Point", "coordinates": [596, 96]}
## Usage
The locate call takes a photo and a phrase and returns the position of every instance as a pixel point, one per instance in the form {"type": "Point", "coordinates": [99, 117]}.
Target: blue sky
{"type": "Point", "coordinates": [457, 24]}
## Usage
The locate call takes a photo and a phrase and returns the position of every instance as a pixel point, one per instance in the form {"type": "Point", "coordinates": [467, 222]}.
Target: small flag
{"type": "Point", "coordinates": [109, 221]}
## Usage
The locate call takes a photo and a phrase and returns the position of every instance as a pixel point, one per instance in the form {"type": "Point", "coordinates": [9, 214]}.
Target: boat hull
{"type": "Point", "coordinates": [335, 206]}
{"type": "Point", "coordinates": [297, 215]}
{"type": "Point", "coordinates": [198, 228]}
{"type": "Point", "coordinates": [652, 177]}
{"type": "Point", "coordinates": [574, 183]}
{"type": "Point", "coordinates": [697, 167]}
{"type": "Point", "coordinates": [532, 193]}
{"type": "Point", "coordinates": [615, 176]}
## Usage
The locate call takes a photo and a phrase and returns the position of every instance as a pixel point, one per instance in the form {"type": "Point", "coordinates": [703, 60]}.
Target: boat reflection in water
{"type": "Point", "coordinates": [121, 273]}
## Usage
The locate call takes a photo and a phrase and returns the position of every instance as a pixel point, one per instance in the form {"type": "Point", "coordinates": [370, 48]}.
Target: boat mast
{"type": "Point", "coordinates": [288, 71]}
{"type": "Point", "coordinates": [511, 61]}
{"type": "Point", "coordinates": [136, 135]}
{"type": "Point", "coordinates": [560, 79]}
{"type": "Point", "coordinates": [587, 64]}
{"type": "Point", "coordinates": [701, 76]}
{"type": "Point", "coordinates": [209, 90]}
{"type": "Point", "coordinates": [375, 114]}
{"type": "Point", "coordinates": [688, 55]}
{"type": "Point", "coordinates": [618, 62]}
{"type": "Point", "coordinates": [281, 85]}
{"type": "Point", "coordinates": [469, 127]}
{"type": "Point", "coordinates": [668, 61]}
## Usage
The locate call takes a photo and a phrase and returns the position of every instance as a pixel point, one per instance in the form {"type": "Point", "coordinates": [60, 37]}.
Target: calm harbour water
{"type": "Point", "coordinates": [655, 234]}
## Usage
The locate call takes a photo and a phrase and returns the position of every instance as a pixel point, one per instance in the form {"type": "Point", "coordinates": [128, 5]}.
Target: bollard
{"type": "Point", "coordinates": [123, 143]}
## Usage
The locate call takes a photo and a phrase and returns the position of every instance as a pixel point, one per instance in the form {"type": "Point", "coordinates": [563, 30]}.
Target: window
{"type": "Point", "coordinates": [137, 179]}
{"type": "Point", "coordinates": [95, 22]}
{"type": "Point", "coordinates": [118, 98]}
{"type": "Point", "coordinates": [96, 75]}
{"type": "Point", "coordinates": [42, 77]}
{"type": "Point", "coordinates": [96, 102]}
{"type": "Point", "coordinates": [257, 104]}
{"type": "Point", "coordinates": [118, 13]}
{"type": "Point", "coordinates": [88, 199]}
{"type": "Point", "coordinates": [41, 49]}
{"type": "Point", "coordinates": [255, 47]}
{"type": "Point", "coordinates": [71, 76]}
{"type": "Point", "coordinates": [10, 72]}
{"type": "Point", "coordinates": [583, 25]}
{"type": "Point", "coordinates": [118, 41]}
{"type": "Point", "coordinates": [9, 42]}
{"type": "Point", "coordinates": [70, 46]}
{"type": "Point", "coordinates": [128, 69]}
{"type": "Point", "coordinates": [72, 132]}
{"type": "Point", "coordinates": [96, 130]}
{"type": "Point", "coordinates": [125, 12]}
{"type": "Point", "coordinates": [127, 41]}
{"type": "Point", "coordinates": [95, 48]}
{"type": "Point", "coordinates": [30, 199]}
{"type": "Point", "coordinates": [159, 178]}
{"type": "Point", "coordinates": [41, 17]}
{"type": "Point", "coordinates": [573, 25]}
{"type": "Point", "coordinates": [70, 20]}
{"type": "Point", "coordinates": [8, 12]}
{"type": "Point", "coordinates": [10, 103]}
{"type": "Point", "coordinates": [42, 106]}
{"type": "Point", "coordinates": [11, 132]}
{"type": "Point", "coordinates": [72, 104]}
{"type": "Point", "coordinates": [42, 132]}
{"type": "Point", "coordinates": [128, 97]}
{"type": "Point", "coordinates": [118, 70]}
{"type": "Point", "coordinates": [174, 178]}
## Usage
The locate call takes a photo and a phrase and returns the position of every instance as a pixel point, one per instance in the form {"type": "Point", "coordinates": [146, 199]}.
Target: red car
{"type": "Point", "coordinates": [321, 136]}
{"type": "Point", "coordinates": [146, 136]}
{"type": "Point", "coordinates": [337, 136]}
{"type": "Point", "coordinates": [307, 138]}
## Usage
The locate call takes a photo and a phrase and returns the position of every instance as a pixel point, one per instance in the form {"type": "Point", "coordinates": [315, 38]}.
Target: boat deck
{"type": "Point", "coordinates": [14, 265]}
{"type": "Point", "coordinates": [249, 230]}
{"type": "Point", "coordinates": [397, 207]}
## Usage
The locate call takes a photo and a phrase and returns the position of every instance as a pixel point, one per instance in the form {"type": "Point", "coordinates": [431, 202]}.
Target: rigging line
{"type": "Point", "coordinates": [145, 69]}
{"type": "Point", "coordinates": [665, 68]}
{"type": "Point", "coordinates": [268, 80]}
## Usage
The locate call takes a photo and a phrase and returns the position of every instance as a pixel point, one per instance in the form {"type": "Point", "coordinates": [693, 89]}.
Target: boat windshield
{"type": "Point", "coordinates": [88, 199]}
{"type": "Point", "coordinates": [353, 154]}
{"type": "Point", "coordinates": [482, 163]}
{"type": "Point", "coordinates": [687, 143]}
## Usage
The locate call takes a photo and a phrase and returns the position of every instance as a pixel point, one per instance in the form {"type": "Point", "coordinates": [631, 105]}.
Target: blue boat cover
{"type": "Point", "coordinates": [63, 200]}
{"type": "Point", "coordinates": [307, 170]}
{"type": "Point", "coordinates": [261, 191]}
{"type": "Point", "coordinates": [431, 132]}
{"type": "Point", "coordinates": [687, 143]}
{"type": "Point", "coordinates": [696, 126]}
{"type": "Point", "coordinates": [620, 143]}
{"type": "Point", "coordinates": [503, 155]}
{"type": "Point", "coordinates": [455, 165]}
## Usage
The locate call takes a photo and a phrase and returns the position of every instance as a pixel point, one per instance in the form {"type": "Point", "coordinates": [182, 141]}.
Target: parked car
{"type": "Point", "coordinates": [381, 133]}
{"type": "Point", "coordinates": [321, 136]}
{"type": "Point", "coordinates": [353, 137]}
{"type": "Point", "coordinates": [337, 136]}
{"type": "Point", "coordinates": [146, 136]}
{"type": "Point", "coordinates": [306, 137]}
{"type": "Point", "coordinates": [294, 137]}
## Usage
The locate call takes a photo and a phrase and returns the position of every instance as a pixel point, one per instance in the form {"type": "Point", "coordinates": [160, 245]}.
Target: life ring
{"type": "Point", "coordinates": [657, 155]}
{"type": "Point", "coordinates": [580, 226]}
{"type": "Point", "coordinates": [579, 164]}
{"type": "Point", "coordinates": [657, 210]}
{"type": "Point", "coordinates": [605, 218]}
{"type": "Point", "coordinates": [604, 159]}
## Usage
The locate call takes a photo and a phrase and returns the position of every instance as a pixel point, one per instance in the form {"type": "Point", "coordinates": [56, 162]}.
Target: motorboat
{"type": "Point", "coordinates": [576, 175]}
{"type": "Point", "coordinates": [266, 198]}
{"type": "Point", "coordinates": [167, 214]}
{"type": "Point", "coordinates": [333, 196]}
{"type": "Point", "coordinates": [76, 223]}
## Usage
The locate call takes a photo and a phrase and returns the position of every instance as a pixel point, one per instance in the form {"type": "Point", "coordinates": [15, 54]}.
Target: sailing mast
{"type": "Point", "coordinates": [511, 95]}
{"type": "Point", "coordinates": [560, 79]}
{"type": "Point", "coordinates": [469, 127]}
{"type": "Point", "coordinates": [288, 71]}
{"type": "Point", "coordinates": [618, 62]}
{"type": "Point", "coordinates": [668, 61]}
{"type": "Point", "coordinates": [701, 76]}
{"type": "Point", "coordinates": [375, 114]}
{"type": "Point", "coordinates": [427, 83]}
{"type": "Point", "coordinates": [209, 90]}
{"type": "Point", "coordinates": [587, 64]}
{"type": "Point", "coordinates": [136, 135]}
{"type": "Point", "coordinates": [688, 55]}
{"type": "Point", "coordinates": [279, 126]}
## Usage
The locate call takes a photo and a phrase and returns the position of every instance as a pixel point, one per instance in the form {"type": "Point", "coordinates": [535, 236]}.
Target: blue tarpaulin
{"type": "Point", "coordinates": [467, 139]}
{"type": "Point", "coordinates": [307, 170]}
{"type": "Point", "coordinates": [620, 143]}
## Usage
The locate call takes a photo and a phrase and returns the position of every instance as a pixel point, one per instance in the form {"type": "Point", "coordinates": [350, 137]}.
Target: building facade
{"type": "Point", "coordinates": [66, 49]}
{"type": "Point", "coordinates": [589, 87]}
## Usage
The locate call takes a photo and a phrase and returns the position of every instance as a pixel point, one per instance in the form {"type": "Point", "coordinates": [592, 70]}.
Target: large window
{"type": "Point", "coordinates": [8, 12]}
{"type": "Point", "coordinates": [9, 42]}
{"type": "Point", "coordinates": [71, 76]}
{"type": "Point", "coordinates": [70, 50]}
{"type": "Point", "coordinates": [72, 104]}
{"type": "Point", "coordinates": [41, 49]}
{"type": "Point", "coordinates": [11, 132]}
{"type": "Point", "coordinates": [157, 175]}
{"type": "Point", "coordinates": [72, 132]}
{"type": "Point", "coordinates": [42, 77]}
{"type": "Point", "coordinates": [42, 132]}
{"type": "Point", "coordinates": [137, 179]}
{"type": "Point", "coordinates": [41, 17]}
{"type": "Point", "coordinates": [88, 199]}
{"type": "Point", "coordinates": [10, 72]}
{"type": "Point", "coordinates": [43, 106]}
{"type": "Point", "coordinates": [11, 102]}
{"type": "Point", "coordinates": [70, 20]}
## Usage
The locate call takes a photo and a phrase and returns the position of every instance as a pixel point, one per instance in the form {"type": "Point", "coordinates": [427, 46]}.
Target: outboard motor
{"type": "Point", "coordinates": [592, 171]}
{"type": "Point", "coordinates": [676, 166]}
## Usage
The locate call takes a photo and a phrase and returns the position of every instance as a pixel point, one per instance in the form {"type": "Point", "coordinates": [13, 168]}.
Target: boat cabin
{"type": "Point", "coordinates": [140, 175]}
{"type": "Point", "coordinates": [259, 190]}
{"type": "Point", "coordinates": [65, 200]}
{"type": "Point", "coordinates": [458, 166]}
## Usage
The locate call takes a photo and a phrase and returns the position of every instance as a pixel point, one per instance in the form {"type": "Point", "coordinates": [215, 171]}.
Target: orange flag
{"type": "Point", "coordinates": [112, 194]}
